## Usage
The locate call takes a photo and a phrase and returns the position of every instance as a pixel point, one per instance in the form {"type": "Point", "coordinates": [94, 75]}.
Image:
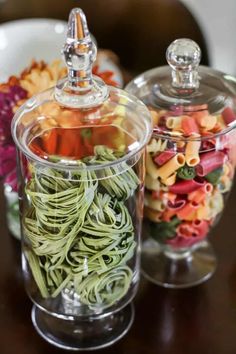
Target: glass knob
{"type": "Point", "coordinates": [184, 55]}
{"type": "Point", "coordinates": [80, 89]}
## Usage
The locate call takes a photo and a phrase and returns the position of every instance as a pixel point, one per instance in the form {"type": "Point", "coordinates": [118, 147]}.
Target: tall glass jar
{"type": "Point", "coordinates": [190, 164]}
{"type": "Point", "coordinates": [81, 176]}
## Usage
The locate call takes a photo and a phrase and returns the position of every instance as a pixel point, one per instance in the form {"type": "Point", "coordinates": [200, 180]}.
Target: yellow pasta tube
{"type": "Point", "coordinates": [151, 183]}
{"type": "Point", "coordinates": [215, 204]}
{"type": "Point", "coordinates": [174, 123]}
{"type": "Point", "coordinates": [180, 143]}
{"type": "Point", "coordinates": [203, 212]}
{"type": "Point", "coordinates": [156, 145]}
{"type": "Point", "coordinates": [226, 169]}
{"type": "Point", "coordinates": [155, 204]}
{"type": "Point", "coordinates": [225, 184]}
{"type": "Point", "coordinates": [192, 152]}
{"type": "Point", "coordinates": [151, 167]}
{"type": "Point", "coordinates": [152, 215]}
{"type": "Point", "coordinates": [155, 117]}
{"type": "Point", "coordinates": [169, 181]}
{"type": "Point", "coordinates": [208, 122]}
{"type": "Point", "coordinates": [170, 166]}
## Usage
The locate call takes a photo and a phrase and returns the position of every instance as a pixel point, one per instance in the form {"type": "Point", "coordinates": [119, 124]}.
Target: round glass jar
{"type": "Point", "coordinates": [190, 164]}
{"type": "Point", "coordinates": [81, 176]}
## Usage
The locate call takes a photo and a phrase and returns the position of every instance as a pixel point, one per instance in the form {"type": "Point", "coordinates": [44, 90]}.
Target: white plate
{"type": "Point", "coordinates": [39, 39]}
{"type": "Point", "coordinates": [24, 40]}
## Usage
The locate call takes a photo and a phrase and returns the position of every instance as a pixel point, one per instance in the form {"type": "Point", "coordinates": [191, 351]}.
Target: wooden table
{"type": "Point", "coordinates": [199, 320]}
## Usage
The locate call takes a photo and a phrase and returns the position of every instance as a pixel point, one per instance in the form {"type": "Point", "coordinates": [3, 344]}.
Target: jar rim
{"type": "Point", "coordinates": [147, 132]}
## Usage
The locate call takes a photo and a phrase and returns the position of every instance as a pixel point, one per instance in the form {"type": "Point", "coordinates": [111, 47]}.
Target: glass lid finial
{"type": "Point", "coordinates": [80, 89]}
{"type": "Point", "coordinates": [184, 55]}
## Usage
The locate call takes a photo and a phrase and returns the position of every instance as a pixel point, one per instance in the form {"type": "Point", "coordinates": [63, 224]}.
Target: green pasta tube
{"type": "Point", "coordinates": [79, 233]}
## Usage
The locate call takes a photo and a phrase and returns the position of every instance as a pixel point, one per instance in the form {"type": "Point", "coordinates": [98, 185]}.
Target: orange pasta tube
{"type": "Point", "coordinates": [188, 211]}
{"type": "Point", "coordinates": [189, 125]}
{"type": "Point", "coordinates": [171, 166]}
{"type": "Point", "coordinates": [168, 214]}
{"type": "Point", "coordinates": [200, 194]}
{"type": "Point", "coordinates": [192, 152]}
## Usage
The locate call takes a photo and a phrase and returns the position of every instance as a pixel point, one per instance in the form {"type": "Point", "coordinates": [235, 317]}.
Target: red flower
{"type": "Point", "coordinates": [9, 96]}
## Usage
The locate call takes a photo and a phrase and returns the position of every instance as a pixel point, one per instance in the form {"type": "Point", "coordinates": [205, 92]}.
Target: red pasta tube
{"type": "Point", "coordinates": [163, 157]}
{"type": "Point", "coordinates": [185, 187]}
{"type": "Point", "coordinates": [210, 161]}
{"type": "Point", "coordinates": [228, 115]}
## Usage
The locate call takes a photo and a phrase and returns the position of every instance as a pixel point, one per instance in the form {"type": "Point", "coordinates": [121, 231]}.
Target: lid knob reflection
{"type": "Point", "coordinates": [184, 55]}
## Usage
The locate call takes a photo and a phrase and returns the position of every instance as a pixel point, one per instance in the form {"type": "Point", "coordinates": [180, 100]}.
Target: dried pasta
{"type": "Point", "coordinates": [192, 152]}
{"type": "Point", "coordinates": [77, 219]}
{"type": "Point", "coordinates": [170, 166]}
{"type": "Point", "coordinates": [195, 166]}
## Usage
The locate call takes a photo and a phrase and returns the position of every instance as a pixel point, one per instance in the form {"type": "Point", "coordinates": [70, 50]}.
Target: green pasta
{"type": "Point", "coordinates": [186, 172]}
{"type": "Point", "coordinates": [79, 232]}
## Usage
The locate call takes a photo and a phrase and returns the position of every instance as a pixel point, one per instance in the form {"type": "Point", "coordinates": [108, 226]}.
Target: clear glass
{"type": "Point", "coordinates": [12, 209]}
{"type": "Point", "coordinates": [182, 205]}
{"type": "Point", "coordinates": [81, 178]}
{"type": "Point", "coordinates": [190, 164]}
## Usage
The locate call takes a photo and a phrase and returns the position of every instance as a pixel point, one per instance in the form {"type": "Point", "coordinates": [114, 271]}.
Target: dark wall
{"type": "Point", "coordinates": [139, 31]}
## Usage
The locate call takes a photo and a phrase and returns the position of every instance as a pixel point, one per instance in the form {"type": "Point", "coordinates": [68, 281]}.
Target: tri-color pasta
{"type": "Point", "coordinates": [186, 181]}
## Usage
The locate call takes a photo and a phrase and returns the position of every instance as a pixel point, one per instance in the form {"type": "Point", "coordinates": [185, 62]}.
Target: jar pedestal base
{"type": "Point", "coordinates": [83, 334]}
{"type": "Point", "coordinates": [176, 270]}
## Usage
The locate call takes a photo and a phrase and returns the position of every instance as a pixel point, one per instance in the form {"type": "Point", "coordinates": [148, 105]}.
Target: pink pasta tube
{"type": "Point", "coordinates": [201, 227]}
{"type": "Point", "coordinates": [210, 161]}
{"type": "Point", "coordinates": [176, 205]}
{"type": "Point", "coordinates": [189, 233]}
{"type": "Point", "coordinates": [163, 157]}
{"type": "Point", "coordinates": [185, 187]}
{"type": "Point", "coordinates": [228, 115]}
{"type": "Point", "coordinates": [181, 241]}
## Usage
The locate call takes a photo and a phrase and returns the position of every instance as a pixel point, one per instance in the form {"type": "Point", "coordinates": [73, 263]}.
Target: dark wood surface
{"type": "Point", "coordinates": [199, 320]}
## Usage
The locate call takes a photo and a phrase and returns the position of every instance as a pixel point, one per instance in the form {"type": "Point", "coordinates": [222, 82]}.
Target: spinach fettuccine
{"type": "Point", "coordinates": [79, 232]}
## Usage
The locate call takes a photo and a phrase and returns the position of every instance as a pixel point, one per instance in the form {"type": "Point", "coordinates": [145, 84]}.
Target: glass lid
{"type": "Point", "coordinates": [81, 119]}
{"type": "Point", "coordinates": [185, 89]}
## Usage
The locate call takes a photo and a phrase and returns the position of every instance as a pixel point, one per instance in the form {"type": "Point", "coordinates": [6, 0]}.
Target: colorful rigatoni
{"type": "Point", "coordinates": [189, 170]}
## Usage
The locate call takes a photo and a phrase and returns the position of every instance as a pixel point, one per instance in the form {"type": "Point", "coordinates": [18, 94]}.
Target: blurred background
{"type": "Point", "coordinates": [139, 31]}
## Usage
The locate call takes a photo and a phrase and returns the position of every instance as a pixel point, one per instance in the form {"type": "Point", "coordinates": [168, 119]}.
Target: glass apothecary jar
{"type": "Point", "coordinates": [81, 175]}
{"type": "Point", "coordinates": [190, 164]}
